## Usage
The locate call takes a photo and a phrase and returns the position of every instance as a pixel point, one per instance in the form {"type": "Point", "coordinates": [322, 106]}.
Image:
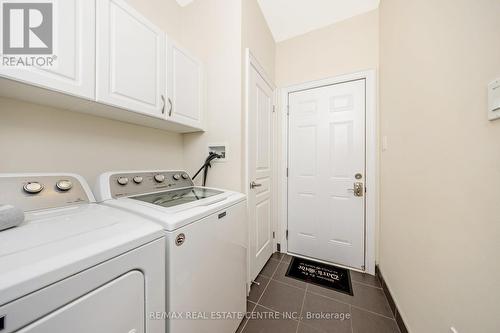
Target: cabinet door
{"type": "Point", "coordinates": [130, 59]}
{"type": "Point", "coordinates": [185, 88]}
{"type": "Point", "coordinates": [73, 67]}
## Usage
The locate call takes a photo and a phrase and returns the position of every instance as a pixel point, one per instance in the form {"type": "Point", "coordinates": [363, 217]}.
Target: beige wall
{"type": "Point", "coordinates": [212, 30]}
{"type": "Point", "coordinates": [440, 211]}
{"type": "Point", "coordinates": [220, 31]}
{"type": "Point", "coordinates": [166, 14]}
{"type": "Point", "coordinates": [33, 138]}
{"type": "Point", "coordinates": [257, 37]}
{"type": "Point", "coordinates": [345, 47]}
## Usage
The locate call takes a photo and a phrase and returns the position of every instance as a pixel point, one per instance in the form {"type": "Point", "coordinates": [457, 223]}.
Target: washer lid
{"type": "Point", "coordinates": [56, 243]}
{"type": "Point", "coordinates": [178, 197]}
{"type": "Point", "coordinates": [173, 216]}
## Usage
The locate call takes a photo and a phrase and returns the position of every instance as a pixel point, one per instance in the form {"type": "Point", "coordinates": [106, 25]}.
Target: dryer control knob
{"type": "Point", "coordinates": [160, 178]}
{"type": "Point", "coordinates": [185, 176]}
{"type": "Point", "coordinates": [122, 181]}
{"type": "Point", "coordinates": [177, 177]}
{"type": "Point", "coordinates": [138, 180]}
{"type": "Point", "coordinates": [33, 188]}
{"type": "Point", "coordinates": [64, 185]}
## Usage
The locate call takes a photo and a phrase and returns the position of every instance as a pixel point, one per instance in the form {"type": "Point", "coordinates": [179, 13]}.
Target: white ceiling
{"type": "Point", "coordinates": [290, 18]}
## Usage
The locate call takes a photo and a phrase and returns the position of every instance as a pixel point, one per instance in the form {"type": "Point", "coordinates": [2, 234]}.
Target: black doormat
{"type": "Point", "coordinates": [328, 276]}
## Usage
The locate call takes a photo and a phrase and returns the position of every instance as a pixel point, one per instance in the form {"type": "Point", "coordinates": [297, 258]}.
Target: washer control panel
{"type": "Point", "coordinates": [159, 178]}
{"type": "Point", "coordinates": [41, 192]}
{"type": "Point", "coordinates": [64, 185]}
{"type": "Point", "coordinates": [131, 184]}
{"type": "Point", "coordinates": [122, 181]}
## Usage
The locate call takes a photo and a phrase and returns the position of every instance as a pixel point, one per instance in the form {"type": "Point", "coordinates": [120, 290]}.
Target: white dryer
{"type": "Point", "coordinates": [76, 266]}
{"type": "Point", "coordinates": [206, 234]}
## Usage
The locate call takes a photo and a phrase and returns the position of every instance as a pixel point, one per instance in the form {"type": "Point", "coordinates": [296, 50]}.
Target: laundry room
{"type": "Point", "coordinates": [223, 166]}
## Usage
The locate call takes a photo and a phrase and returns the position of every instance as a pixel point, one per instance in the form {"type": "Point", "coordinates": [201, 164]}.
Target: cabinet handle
{"type": "Point", "coordinates": [163, 107]}
{"type": "Point", "coordinates": [171, 108]}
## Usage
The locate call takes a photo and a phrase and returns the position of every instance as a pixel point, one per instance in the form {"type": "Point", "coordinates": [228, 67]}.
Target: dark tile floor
{"type": "Point", "coordinates": [281, 305]}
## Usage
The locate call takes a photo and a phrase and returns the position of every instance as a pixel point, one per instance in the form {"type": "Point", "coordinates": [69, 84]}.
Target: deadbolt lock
{"type": "Point", "coordinates": [358, 189]}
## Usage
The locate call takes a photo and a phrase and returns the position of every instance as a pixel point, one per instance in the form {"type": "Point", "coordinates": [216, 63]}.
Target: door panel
{"type": "Point", "coordinates": [74, 49]}
{"type": "Point", "coordinates": [306, 149]}
{"type": "Point", "coordinates": [326, 151]}
{"type": "Point", "coordinates": [130, 59]}
{"type": "Point", "coordinates": [263, 226]}
{"type": "Point", "coordinates": [260, 157]}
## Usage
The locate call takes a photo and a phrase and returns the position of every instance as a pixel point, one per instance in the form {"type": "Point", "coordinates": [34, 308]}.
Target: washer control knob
{"type": "Point", "coordinates": [33, 188]}
{"type": "Point", "coordinates": [64, 185]}
{"type": "Point", "coordinates": [160, 178]}
{"type": "Point", "coordinates": [122, 181]}
{"type": "Point", "coordinates": [177, 176]}
{"type": "Point", "coordinates": [138, 179]}
{"type": "Point", "coordinates": [185, 176]}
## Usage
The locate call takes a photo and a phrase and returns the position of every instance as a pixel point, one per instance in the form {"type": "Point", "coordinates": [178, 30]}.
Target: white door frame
{"type": "Point", "coordinates": [372, 160]}
{"type": "Point", "coordinates": [251, 61]}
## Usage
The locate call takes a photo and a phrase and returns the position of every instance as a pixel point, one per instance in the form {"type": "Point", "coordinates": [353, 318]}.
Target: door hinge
{"type": "Point", "coordinates": [274, 108]}
{"type": "Point", "coordinates": [288, 110]}
{"type": "Point", "coordinates": [286, 172]}
{"type": "Point", "coordinates": [274, 235]}
{"type": "Point", "coordinates": [363, 267]}
{"type": "Point", "coordinates": [286, 234]}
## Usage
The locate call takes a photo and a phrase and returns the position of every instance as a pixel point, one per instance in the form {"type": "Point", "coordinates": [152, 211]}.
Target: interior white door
{"type": "Point", "coordinates": [73, 69]}
{"type": "Point", "coordinates": [260, 157]}
{"type": "Point", "coordinates": [131, 66]}
{"type": "Point", "coordinates": [185, 87]}
{"type": "Point", "coordinates": [326, 162]}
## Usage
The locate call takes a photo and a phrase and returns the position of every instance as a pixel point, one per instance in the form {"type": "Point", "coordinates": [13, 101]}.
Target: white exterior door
{"type": "Point", "coordinates": [326, 165]}
{"type": "Point", "coordinates": [185, 87]}
{"type": "Point", "coordinates": [131, 65]}
{"type": "Point", "coordinates": [73, 69]}
{"type": "Point", "coordinates": [260, 161]}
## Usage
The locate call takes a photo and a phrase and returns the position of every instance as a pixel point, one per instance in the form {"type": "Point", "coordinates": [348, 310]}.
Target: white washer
{"type": "Point", "coordinates": [206, 234]}
{"type": "Point", "coordinates": [76, 266]}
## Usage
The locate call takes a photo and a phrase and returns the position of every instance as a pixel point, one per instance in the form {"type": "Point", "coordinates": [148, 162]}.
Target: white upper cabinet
{"type": "Point", "coordinates": [131, 60]}
{"type": "Point", "coordinates": [73, 68]}
{"type": "Point", "coordinates": [109, 61]}
{"type": "Point", "coordinates": [185, 88]}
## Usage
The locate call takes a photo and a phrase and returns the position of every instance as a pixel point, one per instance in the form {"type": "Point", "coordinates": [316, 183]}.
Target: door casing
{"type": "Point", "coordinates": [372, 160]}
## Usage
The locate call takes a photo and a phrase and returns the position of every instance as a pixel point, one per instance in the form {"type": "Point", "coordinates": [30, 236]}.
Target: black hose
{"type": "Point", "coordinates": [211, 156]}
